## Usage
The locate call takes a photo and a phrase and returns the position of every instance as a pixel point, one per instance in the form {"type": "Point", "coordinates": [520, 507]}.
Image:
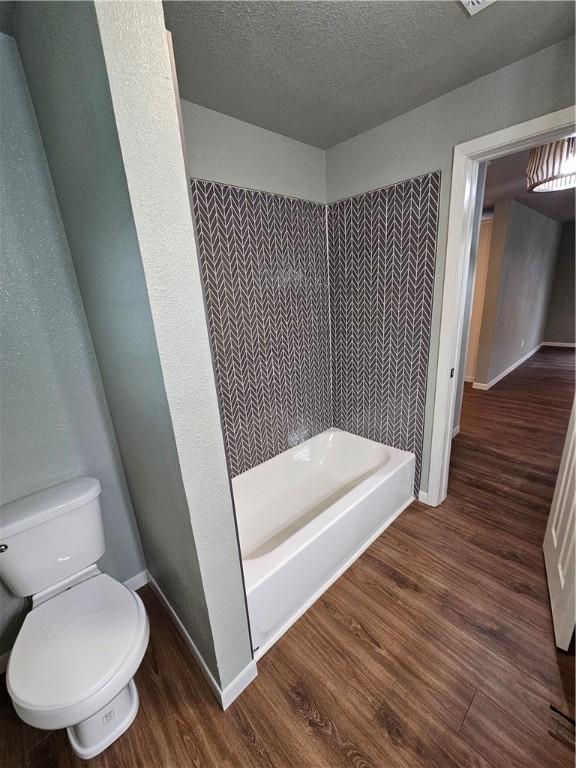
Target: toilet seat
{"type": "Point", "coordinates": [76, 651]}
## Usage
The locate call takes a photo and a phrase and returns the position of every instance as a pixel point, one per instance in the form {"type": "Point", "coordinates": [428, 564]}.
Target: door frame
{"type": "Point", "coordinates": [467, 158]}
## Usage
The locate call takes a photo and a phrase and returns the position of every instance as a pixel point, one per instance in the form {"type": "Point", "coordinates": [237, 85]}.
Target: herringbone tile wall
{"type": "Point", "coordinates": [265, 273]}
{"type": "Point", "coordinates": [382, 252]}
{"type": "Point", "coordinates": [282, 374]}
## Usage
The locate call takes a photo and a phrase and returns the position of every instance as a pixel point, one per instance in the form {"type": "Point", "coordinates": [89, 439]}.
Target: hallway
{"type": "Point", "coordinates": [434, 649]}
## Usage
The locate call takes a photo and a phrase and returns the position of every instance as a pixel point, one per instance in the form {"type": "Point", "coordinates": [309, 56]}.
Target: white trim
{"type": "Point", "coordinates": [496, 379]}
{"type": "Point", "coordinates": [469, 379]}
{"type": "Point", "coordinates": [455, 431]}
{"type": "Point", "coordinates": [467, 157]}
{"type": "Point", "coordinates": [423, 497]}
{"type": "Point", "coordinates": [569, 344]}
{"type": "Point", "coordinates": [240, 682]}
{"type": "Point", "coordinates": [137, 581]}
{"type": "Point", "coordinates": [211, 680]}
{"type": "Point", "coordinates": [224, 696]}
{"type": "Point", "coordinates": [328, 583]}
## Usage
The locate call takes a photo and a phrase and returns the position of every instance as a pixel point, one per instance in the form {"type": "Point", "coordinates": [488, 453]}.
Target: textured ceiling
{"type": "Point", "coordinates": [322, 72]}
{"type": "Point", "coordinates": [506, 177]}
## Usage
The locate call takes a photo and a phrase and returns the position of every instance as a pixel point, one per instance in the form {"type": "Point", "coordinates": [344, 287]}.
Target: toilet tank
{"type": "Point", "coordinates": [50, 535]}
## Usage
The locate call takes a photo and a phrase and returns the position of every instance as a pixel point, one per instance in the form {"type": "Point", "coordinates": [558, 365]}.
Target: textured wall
{"type": "Point", "coordinates": [221, 148]}
{"type": "Point", "coordinates": [518, 283]}
{"type": "Point", "coordinates": [54, 420]}
{"type": "Point", "coordinates": [560, 322]}
{"type": "Point", "coordinates": [382, 248]}
{"type": "Point", "coordinates": [145, 108]}
{"type": "Point", "coordinates": [265, 274]}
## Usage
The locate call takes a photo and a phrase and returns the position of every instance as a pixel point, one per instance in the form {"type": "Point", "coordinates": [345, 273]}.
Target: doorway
{"type": "Point", "coordinates": [464, 198]}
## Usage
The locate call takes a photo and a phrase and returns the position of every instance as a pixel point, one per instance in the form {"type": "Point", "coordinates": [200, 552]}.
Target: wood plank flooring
{"type": "Point", "coordinates": [434, 650]}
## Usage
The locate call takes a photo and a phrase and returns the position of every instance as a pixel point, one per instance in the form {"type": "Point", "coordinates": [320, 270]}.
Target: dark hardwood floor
{"type": "Point", "coordinates": [435, 649]}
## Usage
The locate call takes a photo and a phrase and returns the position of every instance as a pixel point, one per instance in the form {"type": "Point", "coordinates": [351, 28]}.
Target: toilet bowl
{"type": "Point", "coordinates": [73, 662]}
{"type": "Point", "coordinates": [75, 657]}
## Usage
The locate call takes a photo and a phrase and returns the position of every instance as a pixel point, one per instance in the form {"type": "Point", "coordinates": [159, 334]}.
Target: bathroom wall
{"type": "Point", "coordinates": [560, 321]}
{"type": "Point", "coordinates": [265, 276]}
{"type": "Point", "coordinates": [518, 284]}
{"type": "Point", "coordinates": [382, 248]}
{"type": "Point", "coordinates": [222, 148]}
{"type": "Point", "coordinates": [101, 83]}
{"type": "Point", "coordinates": [54, 419]}
{"type": "Point", "coordinates": [423, 140]}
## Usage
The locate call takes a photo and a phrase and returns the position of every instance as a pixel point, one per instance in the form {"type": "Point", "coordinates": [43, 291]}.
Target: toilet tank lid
{"type": "Point", "coordinates": [18, 515]}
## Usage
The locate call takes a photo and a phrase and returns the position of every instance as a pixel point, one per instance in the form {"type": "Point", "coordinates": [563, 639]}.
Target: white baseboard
{"type": "Point", "coordinates": [423, 497]}
{"type": "Point", "coordinates": [225, 696]}
{"type": "Point", "coordinates": [568, 344]}
{"type": "Point", "coordinates": [469, 379]}
{"type": "Point", "coordinates": [240, 682]}
{"type": "Point", "coordinates": [134, 582]}
{"type": "Point", "coordinates": [490, 384]}
{"type": "Point", "coordinates": [138, 581]}
{"type": "Point", "coordinates": [456, 431]}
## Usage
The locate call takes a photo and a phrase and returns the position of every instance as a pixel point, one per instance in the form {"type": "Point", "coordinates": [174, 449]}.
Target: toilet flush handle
{"type": "Point", "coordinates": [3, 548]}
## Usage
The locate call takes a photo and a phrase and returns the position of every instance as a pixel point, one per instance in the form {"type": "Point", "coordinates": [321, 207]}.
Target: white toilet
{"type": "Point", "coordinates": [79, 647]}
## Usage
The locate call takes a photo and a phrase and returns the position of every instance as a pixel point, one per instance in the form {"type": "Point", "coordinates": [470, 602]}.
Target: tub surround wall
{"type": "Point", "coordinates": [278, 273]}
{"type": "Point", "coordinates": [265, 273]}
{"type": "Point", "coordinates": [382, 249]}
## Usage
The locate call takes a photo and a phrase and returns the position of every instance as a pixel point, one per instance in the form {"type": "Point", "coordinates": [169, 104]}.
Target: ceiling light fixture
{"type": "Point", "coordinates": [553, 166]}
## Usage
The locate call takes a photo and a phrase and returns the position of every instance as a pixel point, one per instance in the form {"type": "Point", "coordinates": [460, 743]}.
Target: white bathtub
{"type": "Point", "coordinates": [306, 515]}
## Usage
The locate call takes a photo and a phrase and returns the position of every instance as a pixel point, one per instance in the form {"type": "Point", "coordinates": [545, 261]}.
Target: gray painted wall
{"type": "Point", "coordinates": [62, 55]}
{"type": "Point", "coordinates": [423, 140]}
{"type": "Point", "coordinates": [224, 149]}
{"type": "Point", "coordinates": [520, 274]}
{"type": "Point", "coordinates": [561, 320]}
{"type": "Point", "coordinates": [54, 419]}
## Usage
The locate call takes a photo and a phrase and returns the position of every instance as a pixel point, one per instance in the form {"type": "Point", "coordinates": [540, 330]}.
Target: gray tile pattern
{"type": "Point", "coordinates": [382, 250]}
{"type": "Point", "coordinates": [265, 272]}
{"type": "Point", "coordinates": [304, 339]}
